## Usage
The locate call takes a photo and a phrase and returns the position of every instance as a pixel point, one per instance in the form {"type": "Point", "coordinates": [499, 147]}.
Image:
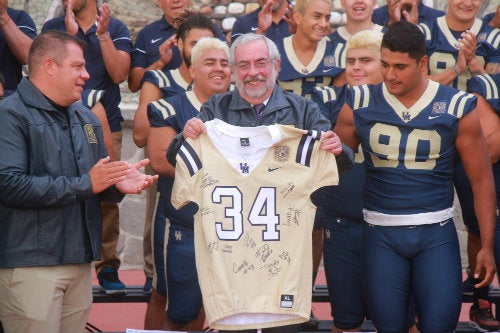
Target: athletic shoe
{"type": "Point", "coordinates": [481, 317]}
{"type": "Point", "coordinates": [109, 281]}
{"type": "Point", "coordinates": [148, 285]}
{"type": "Point", "coordinates": [468, 287]}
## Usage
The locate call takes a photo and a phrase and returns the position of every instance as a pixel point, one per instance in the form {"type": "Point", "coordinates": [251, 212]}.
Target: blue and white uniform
{"type": "Point", "coordinates": [441, 46]}
{"type": "Point", "coordinates": [410, 241]}
{"type": "Point", "coordinates": [179, 278]}
{"type": "Point", "coordinates": [340, 213]}
{"type": "Point", "coordinates": [340, 38]}
{"type": "Point", "coordinates": [321, 70]}
{"type": "Point", "coordinates": [487, 86]}
{"type": "Point", "coordinates": [169, 82]}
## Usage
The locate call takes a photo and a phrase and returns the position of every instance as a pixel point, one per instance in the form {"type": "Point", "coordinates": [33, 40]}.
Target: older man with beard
{"type": "Point", "coordinates": [255, 63]}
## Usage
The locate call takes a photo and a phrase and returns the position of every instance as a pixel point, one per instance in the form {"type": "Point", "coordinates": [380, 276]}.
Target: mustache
{"type": "Point", "coordinates": [258, 77]}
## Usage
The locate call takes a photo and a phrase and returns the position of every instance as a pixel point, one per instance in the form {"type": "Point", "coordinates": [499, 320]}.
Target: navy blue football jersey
{"type": "Point", "coordinates": [409, 152]}
{"type": "Point", "coordinates": [340, 38]}
{"type": "Point", "coordinates": [300, 79]}
{"type": "Point", "coordinates": [441, 43]}
{"type": "Point", "coordinates": [174, 112]}
{"type": "Point", "coordinates": [487, 86]}
{"type": "Point", "coordinates": [170, 82]}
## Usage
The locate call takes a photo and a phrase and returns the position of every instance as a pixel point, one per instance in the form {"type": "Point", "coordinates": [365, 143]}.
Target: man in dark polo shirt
{"type": "Point", "coordinates": [17, 30]}
{"type": "Point", "coordinates": [107, 59]}
{"type": "Point", "coordinates": [154, 48]}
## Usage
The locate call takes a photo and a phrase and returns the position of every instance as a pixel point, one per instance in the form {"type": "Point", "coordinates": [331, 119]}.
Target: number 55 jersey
{"type": "Point", "coordinates": [254, 223]}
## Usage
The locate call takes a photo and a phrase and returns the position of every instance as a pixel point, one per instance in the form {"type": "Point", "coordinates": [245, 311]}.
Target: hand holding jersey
{"type": "Point", "coordinates": [254, 222]}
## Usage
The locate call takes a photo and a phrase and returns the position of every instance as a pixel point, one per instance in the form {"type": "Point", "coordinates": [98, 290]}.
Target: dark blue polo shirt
{"type": "Point", "coordinates": [9, 66]}
{"type": "Point", "coordinates": [249, 23]}
{"type": "Point", "coordinates": [99, 77]}
{"type": "Point", "coordinates": [149, 39]}
{"type": "Point", "coordinates": [425, 14]}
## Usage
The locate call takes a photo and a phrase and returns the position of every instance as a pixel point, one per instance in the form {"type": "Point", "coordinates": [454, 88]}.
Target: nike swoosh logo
{"type": "Point", "coordinates": [254, 28]}
{"type": "Point", "coordinates": [155, 40]}
{"type": "Point", "coordinates": [443, 223]}
{"type": "Point", "coordinates": [432, 117]}
{"type": "Point", "coordinates": [273, 169]}
{"type": "Point", "coordinates": [327, 70]}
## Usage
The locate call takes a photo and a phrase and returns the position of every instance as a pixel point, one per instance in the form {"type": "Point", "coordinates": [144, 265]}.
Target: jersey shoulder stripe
{"type": "Point", "coordinates": [489, 86]}
{"type": "Point", "coordinates": [164, 107]}
{"type": "Point", "coordinates": [158, 77]}
{"type": "Point", "coordinates": [91, 97]}
{"type": "Point", "coordinates": [190, 158]}
{"type": "Point", "coordinates": [305, 148]}
{"type": "Point", "coordinates": [361, 96]}
{"type": "Point", "coordinates": [458, 103]}
{"type": "Point", "coordinates": [426, 30]}
{"type": "Point", "coordinates": [326, 93]}
{"type": "Point", "coordinates": [494, 38]}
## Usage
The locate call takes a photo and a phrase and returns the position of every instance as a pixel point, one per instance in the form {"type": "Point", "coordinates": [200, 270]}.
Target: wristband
{"type": "Point", "coordinates": [102, 39]}
{"type": "Point", "coordinates": [6, 21]}
{"type": "Point", "coordinates": [455, 70]}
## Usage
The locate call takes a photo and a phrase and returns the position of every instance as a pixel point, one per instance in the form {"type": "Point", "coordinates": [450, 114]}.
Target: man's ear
{"type": "Point", "coordinates": [49, 66]}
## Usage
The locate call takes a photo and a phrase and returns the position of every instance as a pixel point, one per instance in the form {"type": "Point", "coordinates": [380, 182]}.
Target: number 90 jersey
{"type": "Point", "coordinates": [255, 218]}
{"type": "Point", "coordinates": [409, 153]}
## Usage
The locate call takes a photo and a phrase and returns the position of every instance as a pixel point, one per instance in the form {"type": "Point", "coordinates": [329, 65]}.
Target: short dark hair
{"type": "Point", "coordinates": [194, 21]}
{"type": "Point", "coordinates": [405, 37]}
{"type": "Point", "coordinates": [51, 43]}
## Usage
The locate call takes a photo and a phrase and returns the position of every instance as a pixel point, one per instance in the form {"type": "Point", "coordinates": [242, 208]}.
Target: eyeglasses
{"type": "Point", "coordinates": [259, 64]}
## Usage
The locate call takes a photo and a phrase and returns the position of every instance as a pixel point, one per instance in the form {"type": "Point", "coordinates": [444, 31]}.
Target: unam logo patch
{"type": "Point", "coordinates": [281, 153]}
{"type": "Point", "coordinates": [329, 61]}
{"type": "Point", "coordinates": [286, 301]}
{"type": "Point", "coordinates": [89, 132]}
{"type": "Point", "coordinates": [439, 108]}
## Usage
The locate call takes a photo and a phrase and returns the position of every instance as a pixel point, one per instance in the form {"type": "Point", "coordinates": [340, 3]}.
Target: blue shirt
{"type": "Point", "coordinates": [174, 111]}
{"type": "Point", "coordinates": [149, 39]}
{"type": "Point", "coordinates": [425, 14]}
{"type": "Point", "coordinates": [440, 42]}
{"type": "Point", "coordinates": [409, 154]}
{"type": "Point", "coordinates": [99, 77]}
{"type": "Point", "coordinates": [249, 23]}
{"type": "Point", "coordinates": [9, 66]}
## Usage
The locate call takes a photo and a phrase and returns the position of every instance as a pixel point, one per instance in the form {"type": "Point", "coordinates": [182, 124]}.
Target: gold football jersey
{"type": "Point", "coordinates": [253, 227]}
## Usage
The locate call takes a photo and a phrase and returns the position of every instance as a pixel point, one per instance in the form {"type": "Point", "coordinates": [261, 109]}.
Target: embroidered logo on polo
{"type": "Point", "coordinates": [89, 132]}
